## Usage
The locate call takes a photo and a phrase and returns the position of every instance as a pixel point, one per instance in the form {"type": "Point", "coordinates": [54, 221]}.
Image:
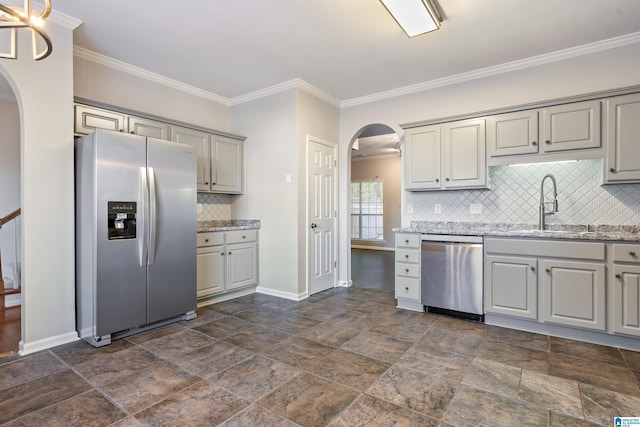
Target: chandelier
{"type": "Point", "coordinates": [13, 18]}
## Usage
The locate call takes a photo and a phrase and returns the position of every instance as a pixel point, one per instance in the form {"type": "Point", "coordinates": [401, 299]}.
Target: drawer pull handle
{"type": "Point", "coordinates": [548, 270]}
{"type": "Point", "coordinates": [632, 253]}
{"type": "Point", "coordinates": [618, 276]}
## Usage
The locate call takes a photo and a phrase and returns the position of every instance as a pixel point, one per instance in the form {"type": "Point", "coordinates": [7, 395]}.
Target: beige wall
{"type": "Point", "coordinates": [388, 170]}
{"type": "Point", "coordinates": [44, 93]}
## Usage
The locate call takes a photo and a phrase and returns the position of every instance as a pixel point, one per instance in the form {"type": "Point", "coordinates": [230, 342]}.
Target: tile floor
{"type": "Point", "coordinates": [345, 357]}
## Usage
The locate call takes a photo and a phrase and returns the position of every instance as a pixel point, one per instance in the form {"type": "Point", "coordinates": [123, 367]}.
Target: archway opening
{"type": "Point", "coordinates": [374, 205]}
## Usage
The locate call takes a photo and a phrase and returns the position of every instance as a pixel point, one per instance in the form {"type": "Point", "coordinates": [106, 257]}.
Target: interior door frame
{"type": "Point", "coordinates": [308, 262]}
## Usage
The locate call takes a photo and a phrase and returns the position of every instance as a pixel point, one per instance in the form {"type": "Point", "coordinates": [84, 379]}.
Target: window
{"type": "Point", "coordinates": [366, 210]}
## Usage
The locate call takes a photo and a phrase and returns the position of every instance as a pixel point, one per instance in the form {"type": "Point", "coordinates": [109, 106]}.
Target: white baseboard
{"type": "Point", "coordinates": [13, 300]}
{"type": "Point", "coordinates": [344, 283]}
{"type": "Point", "coordinates": [282, 294]}
{"type": "Point", "coordinates": [43, 344]}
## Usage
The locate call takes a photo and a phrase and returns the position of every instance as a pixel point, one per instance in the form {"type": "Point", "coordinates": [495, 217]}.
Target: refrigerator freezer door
{"type": "Point", "coordinates": [172, 288]}
{"type": "Point", "coordinates": [120, 279]}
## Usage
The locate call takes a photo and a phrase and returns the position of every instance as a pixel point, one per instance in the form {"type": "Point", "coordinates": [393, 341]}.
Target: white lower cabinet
{"type": "Point", "coordinates": [551, 281]}
{"type": "Point", "coordinates": [626, 289]}
{"type": "Point", "coordinates": [227, 260]}
{"type": "Point", "coordinates": [407, 271]}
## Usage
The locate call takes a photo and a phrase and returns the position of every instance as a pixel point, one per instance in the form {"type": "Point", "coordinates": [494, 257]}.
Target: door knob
{"type": "Point", "coordinates": [314, 225]}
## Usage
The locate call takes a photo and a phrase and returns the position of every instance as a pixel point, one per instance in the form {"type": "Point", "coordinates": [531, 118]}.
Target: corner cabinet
{"type": "Point", "coordinates": [622, 138]}
{"type": "Point", "coordinates": [220, 159]}
{"type": "Point", "coordinates": [446, 157]}
{"type": "Point", "coordinates": [227, 261]}
{"type": "Point", "coordinates": [407, 271]}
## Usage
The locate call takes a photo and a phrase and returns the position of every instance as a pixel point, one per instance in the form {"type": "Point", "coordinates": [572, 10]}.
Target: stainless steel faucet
{"type": "Point", "coordinates": [554, 203]}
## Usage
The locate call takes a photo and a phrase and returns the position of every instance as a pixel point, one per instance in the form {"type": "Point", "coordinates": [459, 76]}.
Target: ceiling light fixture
{"type": "Point", "coordinates": [13, 18]}
{"type": "Point", "coordinates": [414, 16]}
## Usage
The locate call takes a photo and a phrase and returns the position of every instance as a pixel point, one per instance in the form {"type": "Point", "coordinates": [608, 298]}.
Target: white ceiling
{"type": "Point", "coordinates": [347, 48]}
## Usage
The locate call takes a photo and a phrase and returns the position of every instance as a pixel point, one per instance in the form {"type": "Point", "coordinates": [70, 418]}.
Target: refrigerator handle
{"type": "Point", "coordinates": [144, 197]}
{"type": "Point", "coordinates": [152, 216]}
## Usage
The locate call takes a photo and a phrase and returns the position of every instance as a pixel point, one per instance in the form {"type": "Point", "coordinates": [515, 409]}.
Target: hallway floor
{"type": "Point", "coordinates": [344, 357]}
{"type": "Point", "coordinates": [9, 330]}
{"type": "Point", "coordinates": [373, 269]}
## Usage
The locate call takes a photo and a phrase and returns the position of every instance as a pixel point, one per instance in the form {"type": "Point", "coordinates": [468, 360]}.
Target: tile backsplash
{"type": "Point", "coordinates": [214, 206]}
{"type": "Point", "coordinates": [514, 197]}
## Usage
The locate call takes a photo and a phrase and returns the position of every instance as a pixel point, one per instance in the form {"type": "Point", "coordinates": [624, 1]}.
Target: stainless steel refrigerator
{"type": "Point", "coordinates": [135, 234]}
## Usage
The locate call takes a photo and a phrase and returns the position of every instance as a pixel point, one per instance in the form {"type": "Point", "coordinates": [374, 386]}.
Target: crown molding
{"type": "Point", "coordinates": [148, 75]}
{"type": "Point", "coordinates": [533, 61]}
{"type": "Point", "coordinates": [281, 87]}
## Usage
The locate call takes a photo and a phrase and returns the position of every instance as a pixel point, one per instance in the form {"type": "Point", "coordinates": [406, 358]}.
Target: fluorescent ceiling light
{"type": "Point", "coordinates": [414, 16]}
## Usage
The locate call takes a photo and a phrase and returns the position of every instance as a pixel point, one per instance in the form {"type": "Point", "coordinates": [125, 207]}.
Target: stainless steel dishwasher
{"type": "Point", "coordinates": [451, 278]}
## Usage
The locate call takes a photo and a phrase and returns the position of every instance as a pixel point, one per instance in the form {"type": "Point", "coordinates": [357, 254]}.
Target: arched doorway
{"type": "Point", "coordinates": [10, 232]}
{"type": "Point", "coordinates": [374, 205]}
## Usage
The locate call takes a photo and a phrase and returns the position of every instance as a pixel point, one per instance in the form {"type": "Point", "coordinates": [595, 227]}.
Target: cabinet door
{"type": "Point", "coordinates": [147, 127]}
{"type": "Point", "coordinates": [626, 299]}
{"type": "Point", "coordinates": [199, 140]}
{"type": "Point", "coordinates": [622, 134]}
{"type": "Point", "coordinates": [511, 286]}
{"type": "Point", "coordinates": [513, 133]}
{"type": "Point", "coordinates": [89, 119]}
{"type": "Point", "coordinates": [242, 265]}
{"type": "Point", "coordinates": [226, 165]}
{"type": "Point", "coordinates": [464, 157]}
{"type": "Point", "coordinates": [570, 127]}
{"type": "Point", "coordinates": [422, 158]}
{"type": "Point", "coordinates": [573, 293]}
{"type": "Point", "coordinates": [211, 262]}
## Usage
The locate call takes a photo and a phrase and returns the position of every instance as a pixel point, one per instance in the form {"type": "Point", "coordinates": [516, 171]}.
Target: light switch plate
{"type": "Point", "coordinates": [475, 208]}
{"type": "Point", "coordinates": [409, 209]}
{"type": "Point", "coordinates": [437, 208]}
{"type": "Point", "coordinates": [199, 207]}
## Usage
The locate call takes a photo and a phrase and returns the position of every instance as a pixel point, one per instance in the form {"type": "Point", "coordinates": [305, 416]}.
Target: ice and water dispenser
{"type": "Point", "coordinates": [121, 217]}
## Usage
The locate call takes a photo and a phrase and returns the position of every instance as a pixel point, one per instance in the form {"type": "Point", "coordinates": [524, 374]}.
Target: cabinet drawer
{"type": "Point", "coordinates": [626, 252]}
{"type": "Point", "coordinates": [408, 240]}
{"type": "Point", "coordinates": [407, 270]}
{"type": "Point", "coordinates": [239, 236]}
{"type": "Point", "coordinates": [407, 288]}
{"type": "Point", "coordinates": [210, 238]}
{"type": "Point", "coordinates": [407, 255]}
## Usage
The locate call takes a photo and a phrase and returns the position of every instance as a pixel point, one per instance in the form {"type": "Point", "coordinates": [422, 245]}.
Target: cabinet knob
{"type": "Point", "coordinates": [534, 143]}
{"type": "Point", "coordinates": [618, 276]}
{"type": "Point", "coordinates": [447, 179]}
{"type": "Point", "coordinates": [132, 133]}
{"type": "Point", "coordinates": [229, 253]}
{"type": "Point", "coordinates": [547, 142]}
{"type": "Point", "coordinates": [221, 253]}
{"type": "Point", "coordinates": [244, 237]}
{"type": "Point", "coordinates": [407, 241]}
{"type": "Point", "coordinates": [121, 130]}
{"type": "Point", "coordinates": [547, 270]}
{"type": "Point", "coordinates": [206, 183]}
{"type": "Point", "coordinates": [533, 268]}
{"type": "Point", "coordinates": [632, 253]}
{"type": "Point", "coordinates": [612, 170]}
{"type": "Point", "coordinates": [407, 256]}
{"type": "Point", "coordinates": [406, 288]}
{"type": "Point", "coordinates": [213, 183]}
{"type": "Point", "coordinates": [206, 240]}
{"type": "Point", "coordinates": [437, 180]}
{"type": "Point", "coordinates": [406, 269]}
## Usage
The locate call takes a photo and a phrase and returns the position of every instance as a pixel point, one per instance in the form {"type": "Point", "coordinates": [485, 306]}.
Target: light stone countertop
{"type": "Point", "coordinates": [228, 225]}
{"type": "Point", "coordinates": [629, 233]}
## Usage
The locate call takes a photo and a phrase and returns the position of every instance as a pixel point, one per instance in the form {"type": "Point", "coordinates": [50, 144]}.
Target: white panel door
{"type": "Point", "coordinates": [321, 242]}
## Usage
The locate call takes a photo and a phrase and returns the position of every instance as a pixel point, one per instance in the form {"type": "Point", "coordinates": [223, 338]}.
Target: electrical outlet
{"type": "Point", "coordinates": [437, 208]}
{"type": "Point", "coordinates": [475, 208]}
{"type": "Point", "coordinates": [199, 207]}
{"type": "Point", "coordinates": [409, 209]}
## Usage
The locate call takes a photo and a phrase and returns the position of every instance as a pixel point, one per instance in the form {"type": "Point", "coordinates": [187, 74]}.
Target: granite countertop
{"type": "Point", "coordinates": [228, 225]}
{"type": "Point", "coordinates": [577, 232]}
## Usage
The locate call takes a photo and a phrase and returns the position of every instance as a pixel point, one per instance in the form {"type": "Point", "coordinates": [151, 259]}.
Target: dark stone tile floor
{"type": "Point", "coordinates": [344, 357]}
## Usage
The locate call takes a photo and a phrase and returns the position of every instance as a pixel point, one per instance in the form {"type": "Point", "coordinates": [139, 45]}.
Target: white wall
{"type": "Point", "coordinates": [108, 85]}
{"type": "Point", "coordinates": [44, 92]}
{"type": "Point", "coordinates": [611, 69]}
{"type": "Point", "coordinates": [270, 153]}
{"type": "Point", "coordinates": [9, 181]}
{"type": "Point", "coordinates": [387, 169]}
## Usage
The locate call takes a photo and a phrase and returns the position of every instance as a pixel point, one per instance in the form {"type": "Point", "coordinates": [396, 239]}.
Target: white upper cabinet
{"type": "Point", "coordinates": [622, 139]}
{"type": "Point", "coordinates": [88, 119]}
{"type": "Point", "coordinates": [560, 132]}
{"type": "Point", "coordinates": [148, 127]}
{"type": "Point", "coordinates": [200, 141]}
{"type": "Point", "coordinates": [448, 156]}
